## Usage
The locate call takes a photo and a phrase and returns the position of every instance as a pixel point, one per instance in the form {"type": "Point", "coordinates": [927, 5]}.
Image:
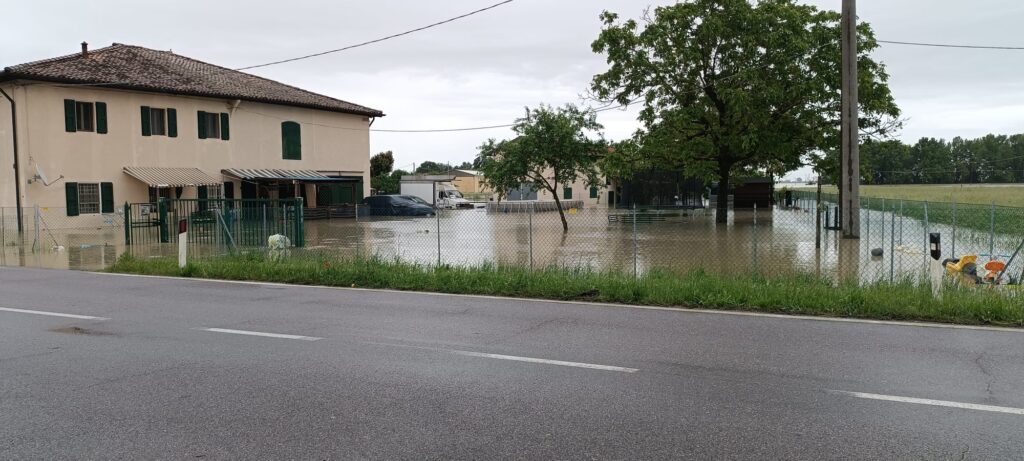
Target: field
{"type": "Point", "coordinates": [981, 194]}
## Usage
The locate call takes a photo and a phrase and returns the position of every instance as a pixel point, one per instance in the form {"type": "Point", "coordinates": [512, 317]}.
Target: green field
{"type": "Point", "coordinates": [980, 194]}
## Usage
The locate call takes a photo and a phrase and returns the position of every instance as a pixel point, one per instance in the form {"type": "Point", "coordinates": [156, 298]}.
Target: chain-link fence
{"type": "Point", "coordinates": [796, 235]}
{"type": "Point", "coordinates": [48, 237]}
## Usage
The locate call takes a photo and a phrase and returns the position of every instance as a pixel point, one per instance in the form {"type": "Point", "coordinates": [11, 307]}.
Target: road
{"type": "Point", "coordinates": [98, 366]}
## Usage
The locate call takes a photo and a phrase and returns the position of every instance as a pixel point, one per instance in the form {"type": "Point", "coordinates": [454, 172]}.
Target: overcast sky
{"type": "Point", "coordinates": [484, 69]}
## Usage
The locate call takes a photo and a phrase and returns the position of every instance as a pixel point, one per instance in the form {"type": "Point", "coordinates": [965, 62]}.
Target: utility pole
{"type": "Point", "coordinates": [849, 168]}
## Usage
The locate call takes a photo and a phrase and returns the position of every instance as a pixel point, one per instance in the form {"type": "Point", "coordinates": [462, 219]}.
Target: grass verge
{"type": "Point", "coordinates": [788, 295]}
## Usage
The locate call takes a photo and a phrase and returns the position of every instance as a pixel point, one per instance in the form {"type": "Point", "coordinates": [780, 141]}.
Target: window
{"type": "Point", "coordinates": [213, 125]}
{"type": "Point", "coordinates": [158, 121]}
{"type": "Point", "coordinates": [84, 115]}
{"type": "Point", "coordinates": [88, 198]}
{"type": "Point", "coordinates": [567, 193]}
{"type": "Point", "coordinates": [593, 191]}
{"type": "Point", "coordinates": [291, 141]}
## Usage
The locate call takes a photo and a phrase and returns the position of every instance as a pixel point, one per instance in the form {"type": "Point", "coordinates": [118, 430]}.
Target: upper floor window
{"type": "Point", "coordinates": [84, 112]}
{"type": "Point", "coordinates": [159, 122]}
{"type": "Point", "coordinates": [291, 141]}
{"type": "Point", "coordinates": [213, 126]}
{"type": "Point", "coordinates": [85, 116]}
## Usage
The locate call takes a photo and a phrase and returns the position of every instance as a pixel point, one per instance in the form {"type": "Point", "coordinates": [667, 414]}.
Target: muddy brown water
{"type": "Point", "coordinates": [769, 242]}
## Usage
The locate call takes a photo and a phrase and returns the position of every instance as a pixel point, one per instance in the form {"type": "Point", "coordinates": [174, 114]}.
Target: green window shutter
{"type": "Point", "coordinates": [291, 141]}
{"type": "Point", "coordinates": [71, 194]}
{"type": "Point", "coordinates": [69, 117]}
{"type": "Point", "coordinates": [202, 193]}
{"type": "Point", "coordinates": [106, 197]}
{"type": "Point", "coordinates": [201, 116]}
{"type": "Point", "coordinates": [593, 191]}
{"type": "Point", "coordinates": [172, 123]}
{"type": "Point", "coordinates": [147, 128]}
{"type": "Point", "coordinates": [229, 190]}
{"type": "Point", "coordinates": [359, 191]}
{"type": "Point", "coordinates": [225, 132]}
{"type": "Point", "coordinates": [567, 193]}
{"type": "Point", "coordinates": [101, 117]}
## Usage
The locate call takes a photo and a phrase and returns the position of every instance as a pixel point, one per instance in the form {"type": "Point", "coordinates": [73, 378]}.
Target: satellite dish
{"type": "Point", "coordinates": [41, 176]}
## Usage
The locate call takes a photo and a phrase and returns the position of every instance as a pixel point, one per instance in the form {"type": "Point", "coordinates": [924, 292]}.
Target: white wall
{"type": "Point", "coordinates": [331, 142]}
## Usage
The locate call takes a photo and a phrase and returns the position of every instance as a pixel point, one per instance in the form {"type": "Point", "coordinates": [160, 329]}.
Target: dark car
{"type": "Point", "coordinates": [396, 205]}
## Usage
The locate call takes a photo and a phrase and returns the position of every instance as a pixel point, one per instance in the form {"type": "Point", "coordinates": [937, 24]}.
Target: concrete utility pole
{"type": "Point", "coordinates": [849, 168]}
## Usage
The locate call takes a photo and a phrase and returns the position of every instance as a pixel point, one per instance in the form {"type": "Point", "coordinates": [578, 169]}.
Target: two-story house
{"type": "Point", "coordinates": [95, 129]}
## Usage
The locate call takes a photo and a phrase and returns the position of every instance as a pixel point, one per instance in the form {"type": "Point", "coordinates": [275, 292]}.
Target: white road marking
{"type": "Point", "coordinates": [544, 361]}
{"type": "Point", "coordinates": [937, 403]}
{"type": "Point", "coordinates": [260, 333]}
{"type": "Point", "coordinates": [52, 314]}
{"type": "Point", "coordinates": [510, 357]}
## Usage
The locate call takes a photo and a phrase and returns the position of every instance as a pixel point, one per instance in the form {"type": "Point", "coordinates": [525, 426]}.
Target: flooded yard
{"type": "Point", "coordinates": [776, 241]}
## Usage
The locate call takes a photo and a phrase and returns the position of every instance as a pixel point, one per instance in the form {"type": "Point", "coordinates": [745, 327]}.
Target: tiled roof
{"type": "Point", "coordinates": [137, 68]}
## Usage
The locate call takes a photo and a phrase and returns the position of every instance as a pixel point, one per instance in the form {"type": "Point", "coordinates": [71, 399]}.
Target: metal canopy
{"type": "Point", "coordinates": [285, 175]}
{"type": "Point", "coordinates": [171, 177]}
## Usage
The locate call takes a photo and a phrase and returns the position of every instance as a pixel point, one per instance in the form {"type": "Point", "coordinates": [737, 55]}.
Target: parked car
{"type": "Point", "coordinates": [396, 205]}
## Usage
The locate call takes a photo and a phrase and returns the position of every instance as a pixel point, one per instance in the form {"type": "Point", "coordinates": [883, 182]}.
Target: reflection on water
{"type": "Point", "coordinates": [781, 241]}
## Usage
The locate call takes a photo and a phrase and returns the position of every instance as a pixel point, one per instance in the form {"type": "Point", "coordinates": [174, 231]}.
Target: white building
{"type": "Point", "coordinates": [129, 124]}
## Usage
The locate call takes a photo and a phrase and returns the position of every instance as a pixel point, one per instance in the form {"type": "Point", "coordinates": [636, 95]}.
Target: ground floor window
{"type": "Point", "coordinates": [88, 198]}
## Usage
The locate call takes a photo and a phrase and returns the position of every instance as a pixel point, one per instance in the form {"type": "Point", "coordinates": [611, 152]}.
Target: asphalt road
{"type": "Point", "coordinates": [182, 369]}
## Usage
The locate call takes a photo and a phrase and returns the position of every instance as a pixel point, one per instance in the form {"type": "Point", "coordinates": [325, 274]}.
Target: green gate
{"type": "Point", "coordinates": [231, 222]}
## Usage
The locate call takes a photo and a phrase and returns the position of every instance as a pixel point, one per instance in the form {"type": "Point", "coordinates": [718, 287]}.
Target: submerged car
{"type": "Point", "coordinates": [396, 205]}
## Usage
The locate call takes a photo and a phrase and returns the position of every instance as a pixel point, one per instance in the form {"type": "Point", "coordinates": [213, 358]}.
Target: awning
{"type": "Point", "coordinates": [171, 177]}
{"type": "Point", "coordinates": [286, 175]}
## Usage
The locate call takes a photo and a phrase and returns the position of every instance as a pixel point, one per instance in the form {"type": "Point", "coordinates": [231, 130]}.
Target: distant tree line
{"type": "Point", "coordinates": [988, 159]}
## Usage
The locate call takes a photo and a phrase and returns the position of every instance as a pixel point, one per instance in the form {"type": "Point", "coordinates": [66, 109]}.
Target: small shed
{"type": "Point", "coordinates": [749, 192]}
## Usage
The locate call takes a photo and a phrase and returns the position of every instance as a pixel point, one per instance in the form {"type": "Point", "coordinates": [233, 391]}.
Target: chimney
{"type": "Point", "coordinates": [85, 49]}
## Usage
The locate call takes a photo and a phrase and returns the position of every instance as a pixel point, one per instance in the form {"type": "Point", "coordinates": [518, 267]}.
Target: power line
{"type": "Point", "coordinates": [389, 37]}
{"type": "Point", "coordinates": [946, 45]}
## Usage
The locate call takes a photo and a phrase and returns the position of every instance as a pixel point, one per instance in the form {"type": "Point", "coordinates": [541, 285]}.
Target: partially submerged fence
{"type": "Point", "coordinates": [215, 222]}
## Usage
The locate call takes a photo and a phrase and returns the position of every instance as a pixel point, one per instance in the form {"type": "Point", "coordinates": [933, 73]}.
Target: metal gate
{"type": "Point", "coordinates": [216, 222]}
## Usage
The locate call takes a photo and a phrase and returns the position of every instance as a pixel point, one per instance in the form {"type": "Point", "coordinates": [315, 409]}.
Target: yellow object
{"type": "Point", "coordinates": [572, 211]}
{"type": "Point", "coordinates": [957, 267]}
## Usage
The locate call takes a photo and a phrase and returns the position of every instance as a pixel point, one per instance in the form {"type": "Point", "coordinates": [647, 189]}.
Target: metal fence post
{"type": "Point", "coordinates": [127, 224]}
{"type": "Point", "coordinates": [992, 233]}
{"type": "Point", "coordinates": [927, 228]}
{"type": "Point", "coordinates": [755, 237]}
{"type": "Point", "coordinates": [531, 235]}
{"type": "Point", "coordinates": [37, 245]}
{"type": "Point", "coordinates": [438, 215]}
{"type": "Point", "coordinates": [892, 247]}
{"type": "Point", "coordinates": [952, 251]}
{"type": "Point", "coordinates": [263, 234]}
{"type": "Point", "coordinates": [868, 222]}
{"type": "Point", "coordinates": [635, 270]}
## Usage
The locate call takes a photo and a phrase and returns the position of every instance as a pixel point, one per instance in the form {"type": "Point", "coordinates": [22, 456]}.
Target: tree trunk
{"type": "Point", "coordinates": [722, 209]}
{"type": "Point", "coordinates": [561, 212]}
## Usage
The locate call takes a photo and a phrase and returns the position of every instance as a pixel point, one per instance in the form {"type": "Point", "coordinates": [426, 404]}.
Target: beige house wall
{"type": "Point", "coordinates": [580, 191]}
{"type": "Point", "coordinates": [333, 143]}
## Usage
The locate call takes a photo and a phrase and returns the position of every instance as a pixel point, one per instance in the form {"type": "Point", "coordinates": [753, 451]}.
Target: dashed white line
{"type": "Point", "coordinates": [52, 314]}
{"type": "Point", "coordinates": [260, 333]}
{"type": "Point", "coordinates": [544, 361]}
{"type": "Point", "coordinates": [936, 403]}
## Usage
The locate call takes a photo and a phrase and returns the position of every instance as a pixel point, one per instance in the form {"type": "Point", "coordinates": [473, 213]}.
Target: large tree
{"type": "Point", "coordinates": [551, 149]}
{"type": "Point", "coordinates": [381, 164]}
{"type": "Point", "coordinates": [729, 86]}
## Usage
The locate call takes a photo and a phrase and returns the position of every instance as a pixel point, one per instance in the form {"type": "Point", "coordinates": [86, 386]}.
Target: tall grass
{"type": "Point", "coordinates": [799, 294]}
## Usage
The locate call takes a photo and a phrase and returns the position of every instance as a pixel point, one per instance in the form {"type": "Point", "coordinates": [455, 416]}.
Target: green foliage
{"type": "Point", "coordinates": [389, 183]}
{"type": "Point", "coordinates": [729, 86]}
{"type": "Point", "coordinates": [798, 294]}
{"type": "Point", "coordinates": [551, 150]}
{"type": "Point", "coordinates": [429, 167]}
{"type": "Point", "coordinates": [381, 164]}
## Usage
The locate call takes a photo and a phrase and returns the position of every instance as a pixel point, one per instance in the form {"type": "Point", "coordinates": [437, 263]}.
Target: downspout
{"type": "Point", "coordinates": [17, 170]}
{"type": "Point", "coordinates": [372, 119]}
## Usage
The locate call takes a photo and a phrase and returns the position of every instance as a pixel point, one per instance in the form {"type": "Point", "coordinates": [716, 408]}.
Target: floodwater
{"type": "Point", "coordinates": [779, 241]}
